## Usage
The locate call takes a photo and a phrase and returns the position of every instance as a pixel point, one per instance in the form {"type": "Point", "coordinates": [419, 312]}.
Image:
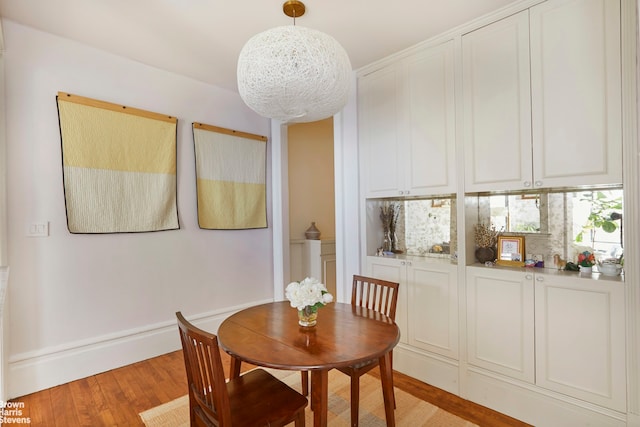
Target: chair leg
{"type": "Point", "coordinates": [305, 383]}
{"type": "Point", "coordinates": [393, 396]}
{"type": "Point", "coordinates": [299, 421]}
{"type": "Point", "coordinates": [193, 418]}
{"type": "Point", "coordinates": [355, 400]}
{"type": "Point", "coordinates": [393, 390]}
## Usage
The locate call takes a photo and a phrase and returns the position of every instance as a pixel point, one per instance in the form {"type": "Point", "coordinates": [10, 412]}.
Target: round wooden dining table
{"type": "Point", "coordinates": [268, 335]}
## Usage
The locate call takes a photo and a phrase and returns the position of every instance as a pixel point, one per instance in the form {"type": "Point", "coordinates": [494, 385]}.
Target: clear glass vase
{"type": "Point", "coordinates": [387, 241]}
{"type": "Point", "coordinates": [307, 316]}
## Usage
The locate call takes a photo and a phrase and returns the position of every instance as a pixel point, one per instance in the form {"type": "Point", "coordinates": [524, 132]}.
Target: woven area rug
{"type": "Point", "coordinates": [410, 411]}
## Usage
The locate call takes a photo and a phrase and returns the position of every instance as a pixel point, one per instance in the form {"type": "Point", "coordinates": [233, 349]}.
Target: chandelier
{"type": "Point", "coordinates": [294, 74]}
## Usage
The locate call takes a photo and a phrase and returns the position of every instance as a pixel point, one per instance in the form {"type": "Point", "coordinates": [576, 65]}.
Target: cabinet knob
{"type": "Point", "coordinates": [407, 192]}
{"type": "Point", "coordinates": [538, 184]}
{"type": "Point", "coordinates": [401, 192]}
{"type": "Point", "coordinates": [528, 277]}
{"type": "Point", "coordinates": [527, 184]}
{"type": "Point", "coordinates": [539, 278]}
{"type": "Point", "coordinates": [403, 263]}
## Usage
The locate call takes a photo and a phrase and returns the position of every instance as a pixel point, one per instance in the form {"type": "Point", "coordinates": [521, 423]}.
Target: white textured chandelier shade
{"type": "Point", "coordinates": [294, 74]}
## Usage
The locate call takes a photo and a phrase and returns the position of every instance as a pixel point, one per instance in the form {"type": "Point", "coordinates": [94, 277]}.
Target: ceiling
{"type": "Point", "coordinates": [202, 38]}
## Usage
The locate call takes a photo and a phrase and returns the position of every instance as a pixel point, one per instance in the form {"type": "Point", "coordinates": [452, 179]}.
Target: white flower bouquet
{"type": "Point", "coordinates": [308, 293]}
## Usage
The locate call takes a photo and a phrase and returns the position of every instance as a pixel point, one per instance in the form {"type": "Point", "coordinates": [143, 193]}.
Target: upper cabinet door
{"type": "Point", "coordinates": [407, 126]}
{"type": "Point", "coordinates": [430, 119]}
{"type": "Point", "coordinates": [576, 92]}
{"type": "Point", "coordinates": [380, 148]}
{"type": "Point", "coordinates": [497, 106]}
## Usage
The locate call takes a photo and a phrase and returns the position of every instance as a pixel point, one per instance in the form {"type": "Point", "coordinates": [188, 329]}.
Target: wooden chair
{"type": "Point", "coordinates": [254, 399]}
{"type": "Point", "coordinates": [378, 295]}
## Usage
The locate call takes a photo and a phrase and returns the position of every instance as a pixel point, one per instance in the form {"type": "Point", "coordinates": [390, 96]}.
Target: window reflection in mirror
{"type": "Point", "coordinates": [519, 213]}
{"type": "Point", "coordinates": [597, 222]}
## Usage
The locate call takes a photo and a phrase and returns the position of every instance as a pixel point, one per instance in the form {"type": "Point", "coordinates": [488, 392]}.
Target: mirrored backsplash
{"type": "Point", "coordinates": [559, 224]}
{"type": "Point", "coordinates": [423, 227]}
{"type": "Point", "coordinates": [555, 224]}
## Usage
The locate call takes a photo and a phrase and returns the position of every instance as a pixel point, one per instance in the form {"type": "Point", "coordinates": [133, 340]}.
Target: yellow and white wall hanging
{"type": "Point", "coordinates": [119, 167]}
{"type": "Point", "coordinates": [230, 178]}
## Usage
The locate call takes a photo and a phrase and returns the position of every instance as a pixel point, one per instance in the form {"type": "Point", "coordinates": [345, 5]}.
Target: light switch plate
{"type": "Point", "coordinates": [38, 229]}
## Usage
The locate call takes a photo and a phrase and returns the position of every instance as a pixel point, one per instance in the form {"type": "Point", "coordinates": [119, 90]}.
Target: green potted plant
{"type": "Point", "coordinates": [605, 210]}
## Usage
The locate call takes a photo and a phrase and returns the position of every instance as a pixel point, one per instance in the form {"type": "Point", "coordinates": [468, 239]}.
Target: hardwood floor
{"type": "Point", "coordinates": [115, 398]}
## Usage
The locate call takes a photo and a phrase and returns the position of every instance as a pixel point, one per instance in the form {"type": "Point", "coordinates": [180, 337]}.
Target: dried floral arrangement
{"type": "Point", "coordinates": [389, 213]}
{"type": "Point", "coordinates": [486, 236]}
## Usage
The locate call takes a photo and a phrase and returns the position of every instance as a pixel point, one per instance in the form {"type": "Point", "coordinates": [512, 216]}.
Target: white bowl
{"type": "Point", "coordinates": [610, 269]}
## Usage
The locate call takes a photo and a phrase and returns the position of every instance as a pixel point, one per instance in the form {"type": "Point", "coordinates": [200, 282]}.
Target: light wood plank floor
{"type": "Point", "coordinates": [115, 398]}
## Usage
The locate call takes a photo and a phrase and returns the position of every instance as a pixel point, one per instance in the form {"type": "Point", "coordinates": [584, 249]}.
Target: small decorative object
{"type": "Point", "coordinates": [586, 261]}
{"type": "Point", "coordinates": [585, 270]}
{"type": "Point", "coordinates": [511, 251]}
{"type": "Point", "coordinates": [558, 262]}
{"type": "Point", "coordinates": [610, 267]}
{"type": "Point", "coordinates": [486, 237]}
{"type": "Point", "coordinates": [308, 296]}
{"type": "Point", "coordinates": [485, 254]}
{"type": "Point", "coordinates": [312, 232]}
{"type": "Point", "coordinates": [570, 266]}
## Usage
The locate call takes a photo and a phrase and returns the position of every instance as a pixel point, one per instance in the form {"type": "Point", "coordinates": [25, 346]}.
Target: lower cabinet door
{"type": "Point", "coordinates": [393, 270]}
{"type": "Point", "coordinates": [500, 322]}
{"type": "Point", "coordinates": [580, 339]}
{"type": "Point", "coordinates": [427, 311]}
{"type": "Point", "coordinates": [433, 307]}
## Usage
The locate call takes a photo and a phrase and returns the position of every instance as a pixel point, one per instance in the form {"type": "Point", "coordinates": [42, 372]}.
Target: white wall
{"type": "Point", "coordinates": [346, 169]}
{"type": "Point", "coordinates": [80, 304]}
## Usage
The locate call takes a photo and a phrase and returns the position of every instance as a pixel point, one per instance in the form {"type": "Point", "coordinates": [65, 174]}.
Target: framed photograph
{"type": "Point", "coordinates": [511, 251]}
{"type": "Point", "coordinates": [439, 203]}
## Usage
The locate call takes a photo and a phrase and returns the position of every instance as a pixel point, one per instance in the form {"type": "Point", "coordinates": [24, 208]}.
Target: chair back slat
{"type": "Point", "coordinates": [205, 375]}
{"type": "Point", "coordinates": [375, 294]}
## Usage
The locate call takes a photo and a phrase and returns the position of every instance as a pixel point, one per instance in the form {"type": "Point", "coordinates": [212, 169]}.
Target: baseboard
{"type": "Point", "coordinates": [534, 405]}
{"type": "Point", "coordinates": [35, 371]}
{"type": "Point", "coordinates": [633, 420]}
{"type": "Point", "coordinates": [432, 369]}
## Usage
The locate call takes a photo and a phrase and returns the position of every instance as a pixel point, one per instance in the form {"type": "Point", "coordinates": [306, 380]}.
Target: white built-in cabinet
{"type": "Point", "coordinates": [542, 98]}
{"type": "Point", "coordinates": [427, 315]}
{"type": "Point", "coordinates": [407, 128]}
{"type": "Point", "coordinates": [558, 331]}
{"type": "Point", "coordinates": [539, 94]}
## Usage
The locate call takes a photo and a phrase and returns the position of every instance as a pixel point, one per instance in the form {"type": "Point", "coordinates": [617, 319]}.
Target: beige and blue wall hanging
{"type": "Point", "coordinates": [230, 178]}
{"type": "Point", "coordinates": [119, 167]}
